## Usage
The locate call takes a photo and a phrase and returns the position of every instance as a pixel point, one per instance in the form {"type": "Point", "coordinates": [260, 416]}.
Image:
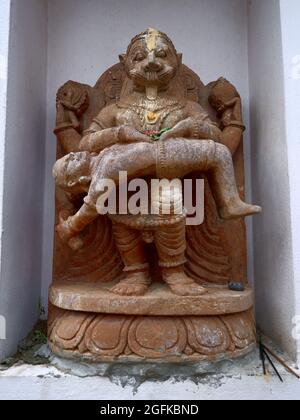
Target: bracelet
{"type": "Point", "coordinates": [237, 124]}
{"type": "Point", "coordinates": [63, 127]}
{"type": "Point", "coordinates": [196, 130]}
{"type": "Point", "coordinates": [161, 164]}
{"type": "Point", "coordinates": [119, 133]}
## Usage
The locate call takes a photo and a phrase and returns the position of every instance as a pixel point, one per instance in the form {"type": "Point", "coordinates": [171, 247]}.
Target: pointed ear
{"type": "Point", "coordinates": [122, 58]}
{"type": "Point", "coordinates": [179, 56]}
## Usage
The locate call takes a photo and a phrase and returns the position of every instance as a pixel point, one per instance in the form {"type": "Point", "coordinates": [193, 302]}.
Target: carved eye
{"type": "Point", "coordinates": [139, 57]}
{"type": "Point", "coordinates": [161, 54]}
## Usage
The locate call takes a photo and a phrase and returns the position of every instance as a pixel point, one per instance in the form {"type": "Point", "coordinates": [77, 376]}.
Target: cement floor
{"type": "Point", "coordinates": [62, 379]}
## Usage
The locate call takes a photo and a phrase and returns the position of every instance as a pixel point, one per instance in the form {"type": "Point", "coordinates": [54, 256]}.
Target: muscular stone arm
{"type": "Point", "coordinates": [196, 125]}
{"type": "Point", "coordinates": [66, 131]}
{"type": "Point", "coordinates": [69, 139]}
{"type": "Point", "coordinates": [103, 132]}
{"type": "Point", "coordinates": [232, 125]}
{"type": "Point", "coordinates": [95, 140]}
{"type": "Point", "coordinates": [231, 137]}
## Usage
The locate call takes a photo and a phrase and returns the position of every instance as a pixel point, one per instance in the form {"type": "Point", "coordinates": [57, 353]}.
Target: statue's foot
{"type": "Point", "coordinates": [180, 283]}
{"type": "Point", "coordinates": [239, 209]}
{"type": "Point", "coordinates": [135, 284]}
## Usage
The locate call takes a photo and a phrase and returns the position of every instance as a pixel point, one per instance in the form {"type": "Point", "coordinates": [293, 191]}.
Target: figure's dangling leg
{"type": "Point", "coordinates": [222, 181]}
{"type": "Point", "coordinates": [171, 246]}
{"type": "Point", "coordinates": [131, 247]}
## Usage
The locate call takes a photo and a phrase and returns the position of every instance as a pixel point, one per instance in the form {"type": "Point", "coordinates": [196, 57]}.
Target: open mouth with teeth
{"type": "Point", "coordinates": [152, 77]}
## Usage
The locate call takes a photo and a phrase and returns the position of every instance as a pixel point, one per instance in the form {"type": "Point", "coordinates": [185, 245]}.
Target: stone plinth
{"type": "Point", "coordinates": [159, 300]}
{"type": "Point", "coordinates": [89, 322]}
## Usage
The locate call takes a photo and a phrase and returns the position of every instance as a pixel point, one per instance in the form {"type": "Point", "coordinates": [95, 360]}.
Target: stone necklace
{"type": "Point", "coordinates": [153, 112]}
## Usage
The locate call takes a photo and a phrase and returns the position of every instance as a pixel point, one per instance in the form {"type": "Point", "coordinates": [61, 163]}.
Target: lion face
{"type": "Point", "coordinates": [151, 61]}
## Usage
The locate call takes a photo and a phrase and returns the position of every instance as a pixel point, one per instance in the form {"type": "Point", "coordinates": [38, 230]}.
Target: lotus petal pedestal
{"type": "Point", "coordinates": [88, 322]}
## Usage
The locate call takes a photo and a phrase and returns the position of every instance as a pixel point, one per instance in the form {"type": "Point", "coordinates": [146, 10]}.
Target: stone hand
{"type": "Point", "coordinates": [62, 114]}
{"type": "Point", "coordinates": [227, 117]}
{"type": "Point", "coordinates": [184, 128]}
{"type": "Point", "coordinates": [66, 116]}
{"type": "Point", "coordinates": [127, 134]}
{"type": "Point", "coordinates": [67, 234]}
{"type": "Point", "coordinates": [71, 102]}
{"type": "Point", "coordinates": [231, 102]}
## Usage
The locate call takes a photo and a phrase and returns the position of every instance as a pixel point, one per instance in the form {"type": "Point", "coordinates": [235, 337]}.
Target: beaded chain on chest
{"type": "Point", "coordinates": [153, 113]}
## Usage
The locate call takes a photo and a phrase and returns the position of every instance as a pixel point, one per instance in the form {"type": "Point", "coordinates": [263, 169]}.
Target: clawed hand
{"type": "Point", "coordinates": [186, 129]}
{"type": "Point", "coordinates": [182, 129]}
{"type": "Point", "coordinates": [128, 134]}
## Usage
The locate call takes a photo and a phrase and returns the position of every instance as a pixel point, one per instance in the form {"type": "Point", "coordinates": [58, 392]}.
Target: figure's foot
{"type": "Point", "coordinates": [180, 283]}
{"type": "Point", "coordinates": [135, 284]}
{"type": "Point", "coordinates": [239, 209]}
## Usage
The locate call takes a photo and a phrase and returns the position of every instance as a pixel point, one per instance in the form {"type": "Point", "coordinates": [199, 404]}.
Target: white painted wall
{"type": "Point", "coordinates": [290, 18]}
{"type": "Point", "coordinates": [273, 251]}
{"type": "Point", "coordinates": [23, 167]}
{"type": "Point", "coordinates": [85, 38]}
{"type": "Point", "coordinates": [4, 40]}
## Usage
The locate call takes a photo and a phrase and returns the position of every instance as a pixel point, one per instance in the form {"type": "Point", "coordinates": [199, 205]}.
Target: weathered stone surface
{"type": "Point", "coordinates": [127, 338]}
{"type": "Point", "coordinates": [159, 300]}
{"type": "Point", "coordinates": [152, 117]}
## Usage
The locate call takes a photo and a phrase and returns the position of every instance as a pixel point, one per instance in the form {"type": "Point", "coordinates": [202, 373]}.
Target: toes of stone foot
{"type": "Point", "coordinates": [257, 209]}
{"type": "Point", "coordinates": [241, 211]}
{"type": "Point", "coordinates": [188, 290]}
{"type": "Point", "coordinates": [129, 290]}
{"type": "Point", "coordinates": [196, 291]}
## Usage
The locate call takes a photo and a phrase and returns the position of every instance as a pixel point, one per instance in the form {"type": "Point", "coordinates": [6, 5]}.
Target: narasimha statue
{"type": "Point", "coordinates": [132, 286]}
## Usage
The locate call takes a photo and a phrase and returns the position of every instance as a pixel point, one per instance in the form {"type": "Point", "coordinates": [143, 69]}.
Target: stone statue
{"type": "Point", "coordinates": [159, 122]}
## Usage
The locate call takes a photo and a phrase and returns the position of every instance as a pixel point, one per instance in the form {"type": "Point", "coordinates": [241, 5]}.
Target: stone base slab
{"type": "Point", "coordinates": [109, 338]}
{"type": "Point", "coordinates": [158, 301]}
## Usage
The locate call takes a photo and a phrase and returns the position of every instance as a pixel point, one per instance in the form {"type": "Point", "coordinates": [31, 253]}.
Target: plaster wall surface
{"type": "Point", "coordinates": [273, 251]}
{"type": "Point", "coordinates": [23, 157]}
{"type": "Point", "coordinates": [85, 38]}
{"type": "Point", "coordinates": [4, 40]}
{"type": "Point", "coordinates": [290, 17]}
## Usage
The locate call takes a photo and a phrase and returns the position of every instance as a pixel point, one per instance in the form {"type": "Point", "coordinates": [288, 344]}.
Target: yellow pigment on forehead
{"type": "Point", "coordinates": [151, 39]}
